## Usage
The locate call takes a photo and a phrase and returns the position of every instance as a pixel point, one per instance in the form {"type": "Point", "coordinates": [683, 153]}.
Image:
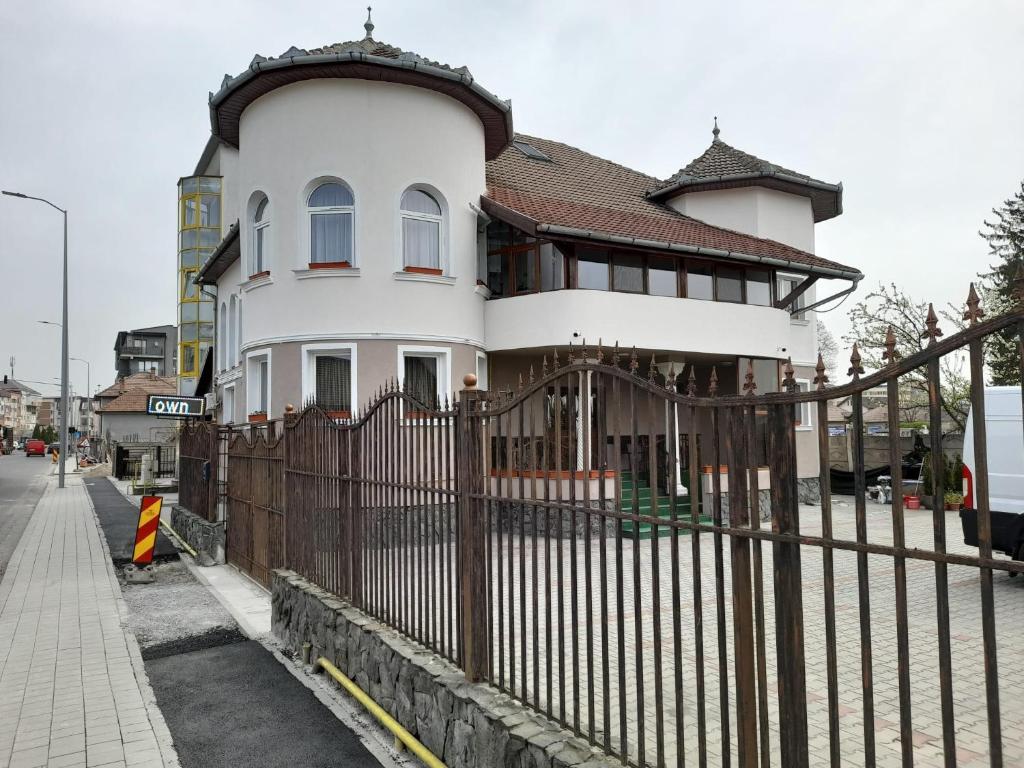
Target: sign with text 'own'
{"type": "Point", "coordinates": [176, 406]}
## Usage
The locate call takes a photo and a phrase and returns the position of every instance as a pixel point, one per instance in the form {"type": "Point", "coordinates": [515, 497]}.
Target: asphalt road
{"type": "Point", "coordinates": [235, 704]}
{"type": "Point", "coordinates": [22, 479]}
{"type": "Point", "coordinates": [119, 519]}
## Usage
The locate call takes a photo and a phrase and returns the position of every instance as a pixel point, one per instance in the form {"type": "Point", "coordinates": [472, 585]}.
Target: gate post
{"type": "Point", "coordinates": [289, 421]}
{"type": "Point", "coordinates": [473, 533]}
{"type": "Point", "coordinates": [789, 612]}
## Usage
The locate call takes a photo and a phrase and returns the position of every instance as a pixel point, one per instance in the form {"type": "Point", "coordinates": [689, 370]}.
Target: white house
{"type": "Point", "coordinates": [386, 221]}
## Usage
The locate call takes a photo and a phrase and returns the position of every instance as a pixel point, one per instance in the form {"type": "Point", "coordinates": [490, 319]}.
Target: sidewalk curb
{"type": "Point", "coordinates": [165, 742]}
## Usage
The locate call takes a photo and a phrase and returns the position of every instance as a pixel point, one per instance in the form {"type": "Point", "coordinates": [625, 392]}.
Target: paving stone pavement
{"type": "Point", "coordinates": [73, 689]}
{"type": "Point", "coordinates": [641, 686]}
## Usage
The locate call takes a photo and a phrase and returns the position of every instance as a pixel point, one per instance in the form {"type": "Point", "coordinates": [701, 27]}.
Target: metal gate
{"type": "Point", "coordinates": [255, 535]}
{"type": "Point", "coordinates": [625, 552]}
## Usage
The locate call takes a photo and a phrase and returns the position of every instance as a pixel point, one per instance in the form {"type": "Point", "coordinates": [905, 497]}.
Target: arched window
{"type": "Point", "coordinates": [260, 238]}
{"type": "Point", "coordinates": [222, 337]}
{"type": "Point", "coordinates": [421, 232]}
{"type": "Point", "coordinates": [238, 332]}
{"type": "Point", "coordinates": [232, 350]}
{"type": "Point", "coordinates": [331, 208]}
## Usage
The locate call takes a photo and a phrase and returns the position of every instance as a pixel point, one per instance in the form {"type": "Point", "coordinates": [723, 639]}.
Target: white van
{"type": "Point", "coordinates": [1004, 433]}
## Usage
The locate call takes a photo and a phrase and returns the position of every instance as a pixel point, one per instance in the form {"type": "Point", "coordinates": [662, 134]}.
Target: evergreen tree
{"type": "Point", "coordinates": [1005, 238]}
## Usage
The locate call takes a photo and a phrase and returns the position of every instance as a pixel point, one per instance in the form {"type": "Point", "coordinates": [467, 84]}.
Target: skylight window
{"type": "Point", "coordinates": [530, 151]}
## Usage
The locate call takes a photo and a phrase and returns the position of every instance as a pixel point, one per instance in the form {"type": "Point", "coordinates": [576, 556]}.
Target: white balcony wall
{"type": "Point", "coordinates": [650, 322]}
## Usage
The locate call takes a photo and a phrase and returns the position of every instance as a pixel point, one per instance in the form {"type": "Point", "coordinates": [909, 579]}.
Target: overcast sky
{"type": "Point", "coordinates": [918, 108]}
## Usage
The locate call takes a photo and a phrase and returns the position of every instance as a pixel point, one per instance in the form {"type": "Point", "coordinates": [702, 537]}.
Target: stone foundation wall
{"type": "Point", "coordinates": [204, 537]}
{"type": "Point", "coordinates": [809, 490]}
{"type": "Point", "coordinates": [464, 724]}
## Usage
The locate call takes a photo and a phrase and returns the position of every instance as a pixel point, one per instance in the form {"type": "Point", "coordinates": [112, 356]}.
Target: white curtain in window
{"type": "Point", "coordinates": [421, 241]}
{"type": "Point", "coordinates": [334, 383]}
{"type": "Point", "coordinates": [232, 333]}
{"type": "Point", "coordinates": [421, 379]}
{"type": "Point", "coordinates": [330, 237]}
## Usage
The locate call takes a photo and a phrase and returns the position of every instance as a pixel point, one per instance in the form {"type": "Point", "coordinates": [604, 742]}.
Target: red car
{"type": "Point", "coordinates": [35, 448]}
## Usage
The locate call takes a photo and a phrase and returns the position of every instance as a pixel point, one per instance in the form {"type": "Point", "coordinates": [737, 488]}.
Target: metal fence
{"type": "Point", "coordinates": [255, 499]}
{"type": "Point", "coordinates": [199, 448]}
{"type": "Point", "coordinates": [127, 463]}
{"type": "Point", "coordinates": [626, 555]}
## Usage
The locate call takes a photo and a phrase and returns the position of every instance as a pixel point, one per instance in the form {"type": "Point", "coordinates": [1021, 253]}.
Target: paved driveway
{"type": "Point", "coordinates": [965, 616]}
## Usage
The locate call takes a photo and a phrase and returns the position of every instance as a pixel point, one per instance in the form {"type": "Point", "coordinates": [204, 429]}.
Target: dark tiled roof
{"type": "Point", "coordinates": [722, 166]}
{"type": "Point", "coordinates": [578, 190]}
{"type": "Point", "coordinates": [144, 383]}
{"type": "Point", "coordinates": [366, 59]}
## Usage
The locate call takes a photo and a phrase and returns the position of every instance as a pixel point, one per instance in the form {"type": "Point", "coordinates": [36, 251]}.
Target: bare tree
{"type": "Point", "coordinates": [827, 346]}
{"type": "Point", "coordinates": [889, 306]}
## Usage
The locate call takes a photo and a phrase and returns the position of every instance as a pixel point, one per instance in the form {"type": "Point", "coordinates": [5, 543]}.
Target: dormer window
{"type": "Point", "coordinates": [331, 208]}
{"type": "Point", "coordinates": [421, 232]}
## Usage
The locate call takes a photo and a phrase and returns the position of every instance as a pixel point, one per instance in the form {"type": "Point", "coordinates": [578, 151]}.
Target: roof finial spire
{"type": "Point", "coordinates": [715, 131]}
{"type": "Point", "coordinates": [368, 26]}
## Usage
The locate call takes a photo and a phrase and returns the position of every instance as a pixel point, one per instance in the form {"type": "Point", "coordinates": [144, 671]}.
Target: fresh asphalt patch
{"type": "Point", "coordinates": [237, 705]}
{"type": "Point", "coordinates": [119, 519]}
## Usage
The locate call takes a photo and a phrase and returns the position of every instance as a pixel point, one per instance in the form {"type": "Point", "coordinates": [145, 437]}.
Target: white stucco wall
{"type": "Point", "coordinates": [754, 211]}
{"type": "Point", "coordinates": [379, 138]}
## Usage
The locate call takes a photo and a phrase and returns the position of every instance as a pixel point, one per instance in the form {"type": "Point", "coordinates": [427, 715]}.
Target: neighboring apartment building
{"type": "Point", "coordinates": [144, 349]}
{"type": "Point", "coordinates": [19, 404]}
{"type": "Point", "coordinates": [388, 222]}
{"type": "Point", "coordinates": [122, 409]}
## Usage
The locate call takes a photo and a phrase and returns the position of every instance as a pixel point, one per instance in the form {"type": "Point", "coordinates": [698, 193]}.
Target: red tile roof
{"type": "Point", "coordinates": [580, 191]}
{"type": "Point", "coordinates": [130, 395]}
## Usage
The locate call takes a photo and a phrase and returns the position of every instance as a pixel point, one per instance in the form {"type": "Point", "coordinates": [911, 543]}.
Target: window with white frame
{"type": "Point", "coordinates": [260, 238]}
{"type": "Point", "coordinates": [425, 374]}
{"type": "Point", "coordinates": [228, 405]}
{"type": "Point", "coordinates": [328, 377]}
{"type": "Point", "coordinates": [787, 284]}
{"type": "Point", "coordinates": [804, 420]}
{"type": "Point", "coordinates": [481, 371]}
{"type": "Point", "coordinates": [238, 331]}
{"type": "Point", "coordinates": [331, 209]}
{"type": "Point", "coordinates": [257, 386]}
{"type": "Point", "coordinates": [421, 232]}
{"type": "Point", "coordinates": [232, 350]}
{"type": "Point", "coordinates": [222, 338]}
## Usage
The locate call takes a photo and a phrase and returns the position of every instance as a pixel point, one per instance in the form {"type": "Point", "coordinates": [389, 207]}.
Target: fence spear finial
{"type": "Point", "coordinates": [713, 382]}
{"type": "Point", "coordinates": [820, 379]}
{"type": "Point", "coordinates": [932, 330]}
{"type": "Point", "coordinates": [583, 351]}
{"type": "Point", "coordinates": [600, 350]}
{"type": "Point", "coordinates": [749, 385]}
{"type": "Point", "coordinates": [670, 378]}
{"type": "Point", "coordinates": [890, 353]}
{"type": "Point", "coordinates": [520, 383]}
{"type": "Point", "coordinates": [788, 381]}
{"type": "Point", "coordinates": [544, 367]}
{"type": "Point", "coordinates": [634, 364]}
{"type": "Point", "coordinates": [532, 377]}
{"type": "Point", "coordinates": [856, 369]}
{"type": "Point", "coordinates": [554, 359]}
{"type": "Point", "coordinates": [571, 355]}
{"type": "Point", "coordinates": [616, 355]}
{"type": "Point", "coordinates": [652, 370]}
{"type": "Point", "coordinates": [691, 384]}
{"type": "Point", "coordinates": [974, 311]}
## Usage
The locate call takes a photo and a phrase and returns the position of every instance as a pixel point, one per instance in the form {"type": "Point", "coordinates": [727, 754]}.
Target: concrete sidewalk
{"type": "Point", "coordinates": [73, 689]}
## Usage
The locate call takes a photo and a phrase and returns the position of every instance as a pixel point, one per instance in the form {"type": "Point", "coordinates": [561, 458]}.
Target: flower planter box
{"type": "Point", "coordinates": [330, 265]}
{"type": "Point", "coordinates": [258, 275]}
{"type": "Point", "coordinates": [257, 418]}
{"type": "Point", "coordinates": [423, 271]}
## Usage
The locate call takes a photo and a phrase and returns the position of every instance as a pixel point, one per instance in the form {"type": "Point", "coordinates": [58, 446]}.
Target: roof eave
{"type": "Point", "coordinates": [831, 194]}
{"type": "Point", "coordinates": [222, 257]}
{"type": "Point", "coordinates": [354, 57]}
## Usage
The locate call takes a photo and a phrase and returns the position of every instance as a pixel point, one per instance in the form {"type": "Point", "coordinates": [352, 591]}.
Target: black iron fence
{"type": "Point", "coordinates": [560, 543]}
{"type": "Point", "coordinates": [127, 464]}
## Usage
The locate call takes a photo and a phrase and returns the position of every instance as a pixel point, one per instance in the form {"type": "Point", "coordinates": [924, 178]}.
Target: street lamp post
{"type": "Point", "coordinates": [63, 341]}
{"type": "Point", "coordinates": [88, 388]}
